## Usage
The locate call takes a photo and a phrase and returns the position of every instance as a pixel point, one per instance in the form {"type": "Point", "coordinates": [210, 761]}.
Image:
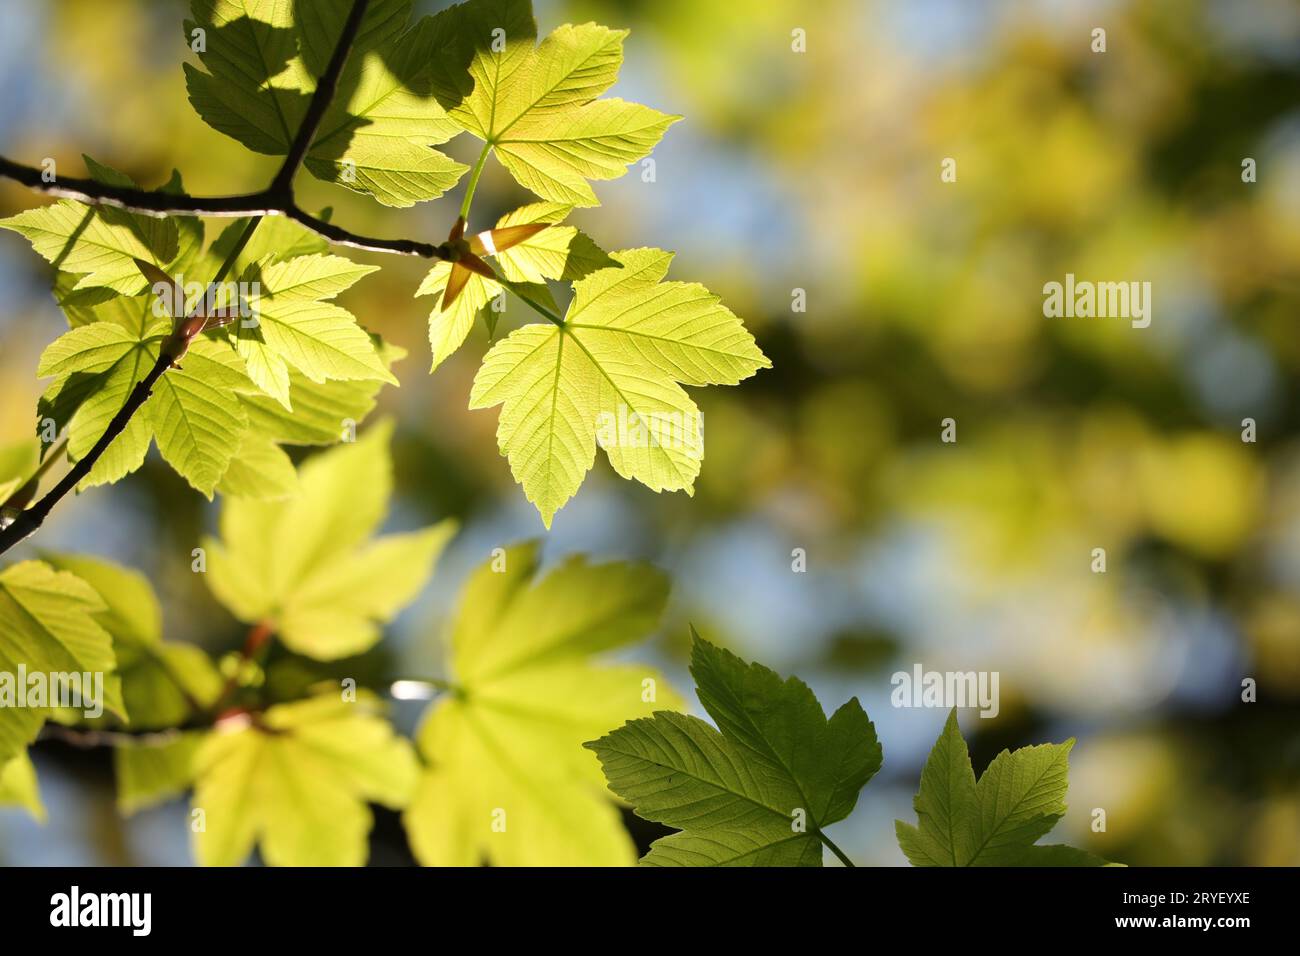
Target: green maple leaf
{"type": "Point", "coordinates": [557, 252]}
{"type": "Point", "coordinates": [287, 280]}
{"type": "Point", "coordinates": [48, 626]}
{"type": "Point", "coordinates": [506, 778]}
{"type": "Point", "coordinates": [295, 780]}
{"type": "Point", "coordinates": [322, 412]}
{"type": "Point", "coordinates": [100, 245]}
{"type": "Point", "coordinates": [304, 411]}
{"type": "Point", "coordinates": [994, 822]}
{"type": "Point", "coordinates": [259, 469]}
{"type": "Point", "coordinates": [194, 413]}
{"type": "Point", "coordinates": [307, 565]}
{"type": "Point", "coordinates": [162, 681]}
{"type": "Point", "coordinates": [536, 106]}
{"type": "Point", "coordinates": [276, 238]}
{"type": "Point", "coordinates": [18, 786]}
{"type": "Point", "coordinates": [610, 370]}
{"type": "Point", "coordinates": [757, 791]}
{"type": "Point", "coordinates": [293, 325]}
{"type": "Point", "coordinates": [261, 64]}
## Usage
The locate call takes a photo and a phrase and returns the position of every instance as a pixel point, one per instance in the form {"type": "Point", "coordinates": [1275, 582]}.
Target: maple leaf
{"type": "Point", "coordinates": [610, 368]}
{"type": "Point", "coordinates": [251, 777]}
{"type": "Point", "coordinates": [102, 245]}
{"type": "Point", "coordinates": [759, 789]}
{"type": "Point", "coordinates": [536, 107]}
{"type": "Point", "coordinates": [307, 565]}
{"type": "Point", "coordinates": [48, 625]}
{"type": "Point", "coordinates": [526, 258]}
{"type": "Point", "coordinates": [506, 778]}
{"type": "Point", "coordinates": [997, 821]}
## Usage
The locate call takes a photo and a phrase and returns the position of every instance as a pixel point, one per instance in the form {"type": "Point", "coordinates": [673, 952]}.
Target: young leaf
{"type": "Point", "coordinates": [307, 565]}
{"type": "Point", "coordinates": [199, 412]}
{"type": "Point", "coordinates": [47, 620]}
{"type": "Point", "coordinates": [759, 790]}
{"type": "Point", "coordinates": [18, 787]}
{"type": "Point", "coordinates": [556, 252]}
{"type": "Point", "coordinates": [536, 107]}
{"type": "Point", "coordinates": [296, 781]}
{"type": "Point", "coordinates": [610, 371]}
{"type": "Point", "coordinates": [276, 238]}
{"type": "Point", "coordinates": [323, 412]}
{"type": "Point", "coordinates": [506, 779]}
{"type": "Point", "coordinates": [262, 62]}
{"type": "Point", "coordinates": [260, 469]}
{"type": "Point", "coordinates": [996, 821]}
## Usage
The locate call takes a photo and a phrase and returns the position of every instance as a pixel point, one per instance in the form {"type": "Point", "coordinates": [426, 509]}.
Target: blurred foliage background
{"type": "Point", "coordinates": [820, 171]}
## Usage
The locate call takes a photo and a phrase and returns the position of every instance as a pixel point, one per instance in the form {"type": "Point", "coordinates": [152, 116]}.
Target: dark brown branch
{"type": "Point", "coordinates": [268, 202]}
{"type": "Point", "coordinates": [277, 199]}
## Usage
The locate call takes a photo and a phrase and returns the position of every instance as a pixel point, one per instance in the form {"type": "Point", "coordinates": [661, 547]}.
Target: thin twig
{"type": "Point", "coordinates": [88, 738]}
{"type": "Point", "coordinates": [268, 202]}
{"type": "Point", "coordinates": [258, 637]}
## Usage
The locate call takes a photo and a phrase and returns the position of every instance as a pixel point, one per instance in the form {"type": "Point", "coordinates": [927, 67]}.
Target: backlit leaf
{"type": "Point", "coordinates": [506, 778]}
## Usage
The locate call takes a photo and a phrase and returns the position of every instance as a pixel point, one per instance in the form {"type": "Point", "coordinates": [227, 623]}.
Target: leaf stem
{"type": "Point", "coordinates": [259, 635]}
{"type": "Point", "coordinates": [834, 849]}
{"type": "Point", "coordinates": [528, 300]}
{"type": "Point", "coordinates": [473, 181]}
{"type": "Point", "coordinates": [240, 244]}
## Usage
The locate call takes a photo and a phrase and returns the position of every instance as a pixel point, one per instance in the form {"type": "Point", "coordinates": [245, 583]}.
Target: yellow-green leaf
{"type": "Point", "coordinates": [296, 782]}
{"type": "Point", "coordinates": [537, 106]}
{"type": "Point", "coordinates": [18, 787]}
{"type": "Point", "coordinates": [609, 373]}
{"type": "Point", "coordinates": [260, 469]}
{"type": "Point", "coordinates": [557, 252]}
{"type": "Point", "coordinates": [151, 772]}
{"type": "Point", "coordinates": [506, 778]}
{"type": "Point", "coordinates": [306, 563]}
{"type": "Point", "coordinates": [262, 62]}
{"type": "Point", "coordinates": [163, 683]}
{"type": "Point", "coordinates": [99, 245]}
{"type": "Point", "coordinates": [47, 619]}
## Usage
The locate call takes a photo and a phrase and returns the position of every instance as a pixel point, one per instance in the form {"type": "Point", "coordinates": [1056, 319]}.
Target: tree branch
{"type": "Point", "coordinates": [276, 199]}
{"type": "Point", "coordinates": [268, 202]}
